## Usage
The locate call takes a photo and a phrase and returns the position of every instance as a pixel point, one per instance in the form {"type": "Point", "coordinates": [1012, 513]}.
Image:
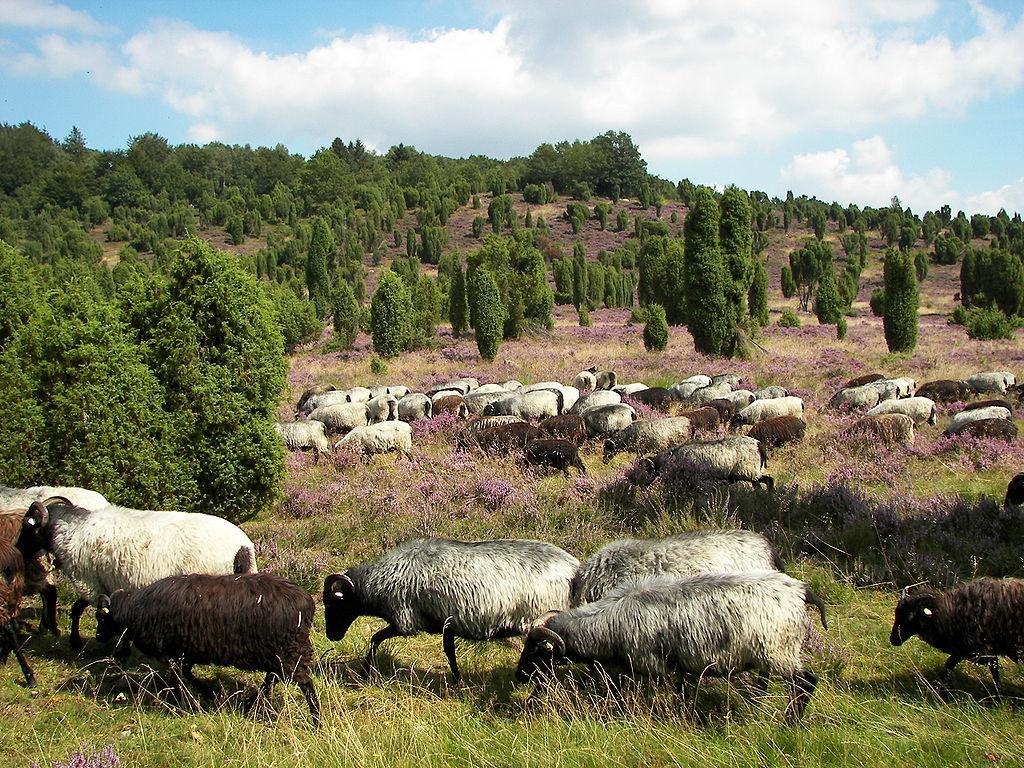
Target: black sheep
{"type": "Point", "coordinates": [726, 409]}
{"type": "Point", "coordinates": [12, 585]}
{"type": "Point", "coordinates": [945, 391]}
{"type": "Point", "coordinates": [979, 621]}
{"type": "Point", "coordinates": [778, 431]}
{"type": "Point", "coordinates": [994, 403]}
{"type": "Point", "coordinates": [658, 398]}
{"type": "Point", "coordinates": [860, 381]}
{"type": "Point", "coordinates": [1001, 429]}
{"type": "Point", "coordinates": [560, 454]}
{"type": "Point", "coordinates": [254, 621]}
{"type": "Point", "coordinates": [704, 419]}
{"type": "Point", "coordinates": [568, 426]}
{"type": "Point", "coordinates": [506, 438]}
{"type": "Point", "coordinates": [1015, 491]}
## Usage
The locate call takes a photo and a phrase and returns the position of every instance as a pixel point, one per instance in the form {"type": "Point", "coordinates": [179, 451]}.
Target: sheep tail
{"type": "Point", "coordinates": [777, 561]}
{"type": "Point", "coordinates": [812, 599]}
{"type": "Point", "coordinates": [245, 562]}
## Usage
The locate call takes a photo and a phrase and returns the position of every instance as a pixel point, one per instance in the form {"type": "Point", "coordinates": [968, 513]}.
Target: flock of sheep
{"type": "Point", "coordinates": [184, 587]}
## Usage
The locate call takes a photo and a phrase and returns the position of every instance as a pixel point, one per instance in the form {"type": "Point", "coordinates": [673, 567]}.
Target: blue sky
{"type": "Point", "coordinates": [852, 100]}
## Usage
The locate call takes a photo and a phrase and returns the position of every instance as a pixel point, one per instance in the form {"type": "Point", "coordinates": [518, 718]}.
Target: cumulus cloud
{"type": "Point", "coordinates": [1009, 197]}
{"type": "Point", "coordinates": [45, 14]}
{"type": "Point", "coordinates": [56, 56]}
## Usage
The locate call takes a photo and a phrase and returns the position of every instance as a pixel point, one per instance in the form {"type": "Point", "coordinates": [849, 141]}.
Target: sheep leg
{"type": "Point", "coordinates": [802, 685]}
{"type": "Point", "coordinates": [48, 601]}
{"type": "Point", "coordinates": [306, 686]}
{"type": "Point", "coordinates": [385, 634]}
{"type": "Point", "coordinates": [12, 638]}
{"type": "Point", "coordinates": [993, 667]}
{"type": "Point", "coordinates": [951, 662]}
{"type": "Point", "coordinates": [448, 642]}
{"type": "Point", "coordinates": [77, 609]}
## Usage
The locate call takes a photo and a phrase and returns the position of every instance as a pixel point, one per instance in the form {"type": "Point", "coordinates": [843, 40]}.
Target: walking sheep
{"type": "Point", "coordinates": [978, 621]}
{"type": "Point", "coordinates": [300, 435]}
{"type": "Point", "coordinates": [887, 428]}
{"type": "Point", "coordinates": [779, 431]}
{"type": "Point", "coordinates": [729, 460]}
{"type": "Point", "coordinates": [649, 436]}
{"type": "Point", "coordinates": [608, 419]}
{"type": "Point", "coordinates": [860, 381]}
{"type": "Point", "coordinates": [481, 590]}
{"type": "Point", "coordinates": [559, 454]}
{"type": "Point", "coordinates": [455, 404]}
{"type": "Point", "coordinates": [119, 548]}
{"type": "Point", "coordinates": [258, 622]}
{"type": "Point", "coordinates": [855, 398]}
{"type": "Point", "coordinates": [605, 380]}
{"type": "Point", "coordinates": [714, 624]}
{"type": "Point", "coordinates": [386, 437]}
{"type": "Point", "coordinates": [920, 409]}
{"type": "Point", "coordinates": [658, 398]}
{"type": "Point", "coordinates": [339, 418]}
{"type": "Point", "coordinates": [762, 410]}
{"type": "Point", "coordinates": [685, 554]}
{"type": "Point", "coordinates": [529, 406]}
{"type": "Point", "coordinates": [381, 408]}
{"type": "Point", "coordinates": [12, 585]}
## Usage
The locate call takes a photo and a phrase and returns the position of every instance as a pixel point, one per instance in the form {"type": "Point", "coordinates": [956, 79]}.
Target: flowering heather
{"type": "Point", "coordinates": [89, 757]}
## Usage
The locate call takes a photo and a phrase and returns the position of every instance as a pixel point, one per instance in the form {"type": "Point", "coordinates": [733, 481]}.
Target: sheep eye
{"type": "Point", "coordinates": [547, 646]}
{"type": "Point", "coordinates": [339, 595]}
{"type": "Point", "coordinates": [927, 611]}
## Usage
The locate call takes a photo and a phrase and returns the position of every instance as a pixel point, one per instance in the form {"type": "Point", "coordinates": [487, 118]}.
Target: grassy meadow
{"type": "Point", "coordinates": [875, 705]}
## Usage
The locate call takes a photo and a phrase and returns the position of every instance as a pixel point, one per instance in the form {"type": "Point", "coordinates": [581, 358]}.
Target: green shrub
{"type": "Point", "coordinates": [638, 314]}
{"type": "Point", "coordinates": [296, 316]}
{"type": "Point", "coordinates": [458, 308]}
{"type": "Point", "coordinates": [489, 312]}
{"type": "Point", "coordinates": [788, 283]}
{"type": "Point", "coordinates": [346, 315]}
{"type": "Point", "coordinates": [984, 323]}
{"type": "Point", "coordinates": [390, 316]}
{"type": "Point", "coordinates": [877, 302]}
{"type": "Point", "coordinates": [921, 265]}
{"type": "Point", "coordinates": [841, 328]}
{"type": "Point", "coordinates": [757, 296]}
{"type": "Point", "coordinates": [377, 366]}
{"type": "Point", "coordinates": [901, 302]}
{"type": "Point", "coordinates": [583, 317]}
{"type": "Point", "coordinates": [789, 319]}
{"type": "Point", "coordinates": [655, 329]}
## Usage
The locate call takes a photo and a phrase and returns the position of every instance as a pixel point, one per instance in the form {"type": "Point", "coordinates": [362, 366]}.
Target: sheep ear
{"type": "Point", "coordinates": [104, 606]}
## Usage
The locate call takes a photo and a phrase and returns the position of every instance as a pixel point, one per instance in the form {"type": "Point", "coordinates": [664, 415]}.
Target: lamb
{"type": "Point", "coordinates": [604, 380]}
{"type": "Point", "coordinates": [714, 624]}
{"type": "Point", "coordinates": [978, 620]}
{"type": "Point", "coordinates": [480, 590]}
{"type": "Point", "coordinates": [12, 587]}
{"type": "Point", "coordinates": [888, 428]}
{"type": "Point", "coordinates": [455, 404]}
{"type": "Point", "coordinates": [762, 410]}
{"type": "Point", "coordinates": [608, 419]}
{"type": "Point", "coordinates": [300, 435]}
{"type": "Point", "coordinates": [945, 391]}
{"type": "Point", "coordinates": [595, 400]}
{"type": "Point", "coordinates": [920, 409]}
{"type": "Point", "coordinates": [965, 417]}
{"type": "Point", "coordinates": [568, 426]}
{"type": "Point", "coordinates": [556, 453]}
{"type": "Point", "coordinates": [507, 438]}
{"type": "Point", "coordinates": [255, 621]}
{"type": "Point", "coordinates": [382, 408]}
{"type": "Point", "coordinates": [649, 436]}
{"type": "Point", "coordinates": [529, 406]}
{"type": "Point", "coordinates": [855, 398]}
{"type": "Point", "coordinates": [586, 380]}
{"type": "Point", "coordinates": [658, 398]}
{"type": "Point", "coordinates": [342, 417]}
{"type": "Point", "coordinates": [685, 554]}
{"type": "Point", "coordinates": [386, 437]}
{"type": "Point", "coordinates": [1015, 491]}
{"type": "Point", "coordinates": [779, 431]}
{"type": "Point", "coordinates": [415, 406]}
{"type": "Point", "coordinates": [993, 381]}
{"type": "Point", "coordinates": [119, 548]}
{"type": "Point", "coordinates": [729, 460]}
{"type": "Point", "coordinates": [704, 419]}
{"type": "Point", "coordinates": [860, 381]}
{"type": "Point", "coordinates": [726, 410]}
{"type": "Point", "coordinates": [1000, 429]}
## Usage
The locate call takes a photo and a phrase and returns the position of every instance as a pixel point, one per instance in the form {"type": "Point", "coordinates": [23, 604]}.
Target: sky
{"type": "Point", "coordinates": [847, 100]}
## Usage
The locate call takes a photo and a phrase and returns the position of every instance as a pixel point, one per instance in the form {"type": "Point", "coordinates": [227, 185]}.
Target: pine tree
{"type": "Point", "coordinates": [489, 311]}
{"type": "Point", "coordinates": [709, 322]}
{"type": "Point", "coordinates": [826, 296]}
{"type": "Point", "coordinates": [390, 316]}
{"type": "Point", "coordinates": [737, 242]}
{"type": "Point", "coordinates": [346, 315]}
{"type": "Point", "coordinates": [757, 298]}
{"type": "Point", "coordinates": [458, 308]}
{"type": "Point", "coordinates": [901, 301]}
{"type": "Point", "coordinates": [318, 276]}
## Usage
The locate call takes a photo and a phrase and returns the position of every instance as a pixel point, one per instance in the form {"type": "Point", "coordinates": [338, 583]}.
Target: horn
{"type": "Point", "coordinates": [904, 593]}
{"type": "Point", "coordinates": [542, 634]}
{"type": "Point", "coordinates": [57, 500]}
{"type": "Point", "coordinates": [544, 619]}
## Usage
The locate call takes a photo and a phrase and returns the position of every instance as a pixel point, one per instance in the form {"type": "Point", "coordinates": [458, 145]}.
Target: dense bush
{"type": "Point", "coordinates": [757, 297]}
{"type": "Point", "coordinates": [655, 329]}
{"type": "Point", "coordinates": [982, 323]}
{"type": "Point", "coordinates": [489, 312]}
{"type": "Point", "coordinates": [296, 316]}
{"type": "Point", "coordinates": [458, 308]}
{"type": "Point", "coordinates": [390, 316]}
{"type": "Point", "coordinates": [708, 317]}
{"type": "Point", "coordinates": [877, 302]}
{"type": "Point", "coordinates": [901, 302]}
{"type": "Point", "coordinates": [789, 319]}
{"type": "Point", "coordinates": [346, 316]}
{"type": "Point", "coordinates": [788, 284]}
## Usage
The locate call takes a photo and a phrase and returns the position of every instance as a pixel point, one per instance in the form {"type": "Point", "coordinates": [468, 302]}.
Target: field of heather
{"type": "Point", "coordinates": [854, 520]}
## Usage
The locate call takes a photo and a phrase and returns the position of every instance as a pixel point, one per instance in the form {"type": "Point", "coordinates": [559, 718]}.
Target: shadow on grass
{"type": "Point", "coordinates": [927, 686]}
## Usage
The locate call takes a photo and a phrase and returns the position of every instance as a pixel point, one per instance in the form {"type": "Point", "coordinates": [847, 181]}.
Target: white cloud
{"type": "Point", "coordinates": [1009, 197]}
{"type": "Point", "coordinates": [45, 14]}
{"type": "Point", "coordinates": [56, 57]}
{"type": "Point", "coordinates": [203, 133]}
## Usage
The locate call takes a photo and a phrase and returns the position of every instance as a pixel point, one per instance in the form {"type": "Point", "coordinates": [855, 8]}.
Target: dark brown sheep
{"type": "Point", "coordinates": [945, 391]}
{"type": "Point", "coordinates": [560, 454]}
{"type": "Point", "coordinates": [1001, 429]}
{"type": "Point", "coordinates": [726, 409]}
{"type": "Point", "coordinates": [252, 621]}
{"type": "Point", "coordinates": [779, 431]}
{"type": "Point", "coordinates": [994, 403]}
{"type": "Point", "coordinates": [568, 426]}
{"type": "Point", "coordinates": [704, 419]}
{"type": "Point", "coordinates": [1015, 491]}
{"type": "Point", "coordinates": [507, 438]}
{"type": "Point", "coordinates": [38, 571]}
{"type": "Point", "coordinates": [860, 381]}
{"type": "Point", "coordinates": [451, 404]}
{"type": "Point", "coordinates": [888, 428]}
{"type": "Point", "coordinates": [658, 398]}
{"type": "Point", "coordinates": [979, 621]}
{"type": "Point", "coordinates": [12, 585]}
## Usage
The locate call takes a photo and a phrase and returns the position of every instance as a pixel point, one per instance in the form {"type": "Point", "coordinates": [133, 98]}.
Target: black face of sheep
{"type": "Point", "coordinates": [543, 650]}
{"type": "Point", "coordinates": [108, 629]}
{"type": "Point", "coordinates": [914, 615]}
{"type": "Point", "coordinates": [341, 605]}
{"type": "Point", "coordinates": [1015, 492]}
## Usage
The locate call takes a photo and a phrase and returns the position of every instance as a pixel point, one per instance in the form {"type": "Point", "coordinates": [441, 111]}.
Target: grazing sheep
{"type": "Point", "coordinates": [115, 547]}
{"type": "Point", "coordinates": [706, 419]}
{"type": "Point", "coordinates": [507, 438]}
{"type": "Point", "coordinates": [711, 392]}
{"type": "Point", "coordinates": [625, 390]}
{"type": "Point", "coordinates": [485, 389]}
{"type": "Point", "coordinates": [317, 390]}
{"type": "Point", "coordinates": [900, 386]}
{"type": "Point", "coordinates": [993, 381]}
{"type": "Point", "coordinates": [715, 624]}
{"type": "Point", "coordinates": [855, 398]}
{"type": "Point", "coordinates": [568, 426]}
{"type": "Point", "coordinates": [480, 590]}
{"type": "Point", "coordinates": [649, 436]}
{"type": "Point", "coordinates": [358, 394]}
{"type": "Point", "coordinates": [762, 410]}
{"type": "Point", "coordinates": [685, 554]}
{"type": "Point", "coordinates": [684, 390]}
{"type": "Point", "coordinates": [1015, 491]}
{"type": "Point", "coordinates": [732, 379]}
{"type": "Point", "coordinates": [888, 428]}
{"type": "Point", "coordinates": [382, 408]}
{"type": "Point", "coordinates": [341, 417]}
{"type": "Point", "coordinates": [729, 460]}
{"type": "Point", "coordinates": [920, 409]}
{"type": "Point", "coordinates": [605, 380]}
{"type": "Point", "coordinates": [480, 423]}
{"type": "Point", "coordinates": [860, 381]}
{"type": "Point", "coordinates": [978, 620]}
{"type": "Point", "coordinates": [257, 621]}
{"type": "Point", "coordinates": [886, 389]}
{"type": "Point", "coordinates": [779, 431]}
{"type": "Point", "coordinates": [327, 397]}
{"type": "Point", "coordinates": [699, 379]}
{"type": "Point", "coordinates": [541, 385]}
{"type": "Point", "coordinates": [462, 386]}
{"type": "Point", "coordinates": [596, 399]}
{"type": "Point", "coordinates": [1000, 429]}
{"type": "Point", "coordinates": [415, 406]}
{"type": "Point", "coordinates": [945, 391]}
{"type": "Point", "coordinates": [445, 393]}
{"type": "Point", "coordinates": [726, 410]}
{"type": "Point", "coordinates": [396, 391]}
{"type": "Point", "coordinates": [586, 380]}
{"type": "Point", "coordinates": [998, 402]}
{"type": "Point", "coordinates": [456, 404]}
{"type": "Point", "coordinates": [556, 453]}
{"type": "Point", "coordinates": [386, 437]}
{"type": "Point", "coordinates": [658, 398]}
{"type": "Point", "coordinates": [512, 385]}
{"type": "Point", "coordinates": [608, 419]}
{"type": "Point", "coordinates": [740, 398]}
{"type": "Point", "coordinates": [12, 586]}
{"type": "Point", "coordinates": [768, 393]}
{"type": "Point", "coordinates": [1016, 391]}
{"type": "Point", "coordinates": [966, 417]}
{"type": "Point", "coordinates": [529, 406]}
{"type": "Point", "coordinates": [300, 435]}
{"type": "Point", "coordinates": [477, 401]}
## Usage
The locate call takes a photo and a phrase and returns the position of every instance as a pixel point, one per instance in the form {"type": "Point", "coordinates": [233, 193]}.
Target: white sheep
{"type": "Point", "coordinates": [341, 417]}
{"type": "Point", "coordinates": [415, 406]}
{"type": "Point", "coordinates": [529, 406]}
{"type": "Point", "coordinates": [385, 437]}
{"type": "Point", "coordinates": [856, 398]}
{"type": "Point", "coordinates": [629, 389]}
{"type": "Point", "coordinates": [381, 408]}
{"type": "Point", "coordinates": [477, 401]}
{"type": "Point", "coordinates": [300, 435]}
{"type": "Point", "coordinates": [992, 381]}
{"type": "Point", "coordinates": [741, 398]}
{"type": "Point", "coordinates": [606, 420]}
{"type": "Point", "coordinates": [761, 410]}
{"type": "Point", "coordinates": [585, 380]}
{"type": "Point", "coordinates": [977, 414]}
{"type": "Point", "coordinates": [649, 436]}
{"type": "Point", "coordinates": [767, 393]}
{"type": "Point", "coordinates": [920, 409]}
{"type": "Point", "coordinates": [596, 399]}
